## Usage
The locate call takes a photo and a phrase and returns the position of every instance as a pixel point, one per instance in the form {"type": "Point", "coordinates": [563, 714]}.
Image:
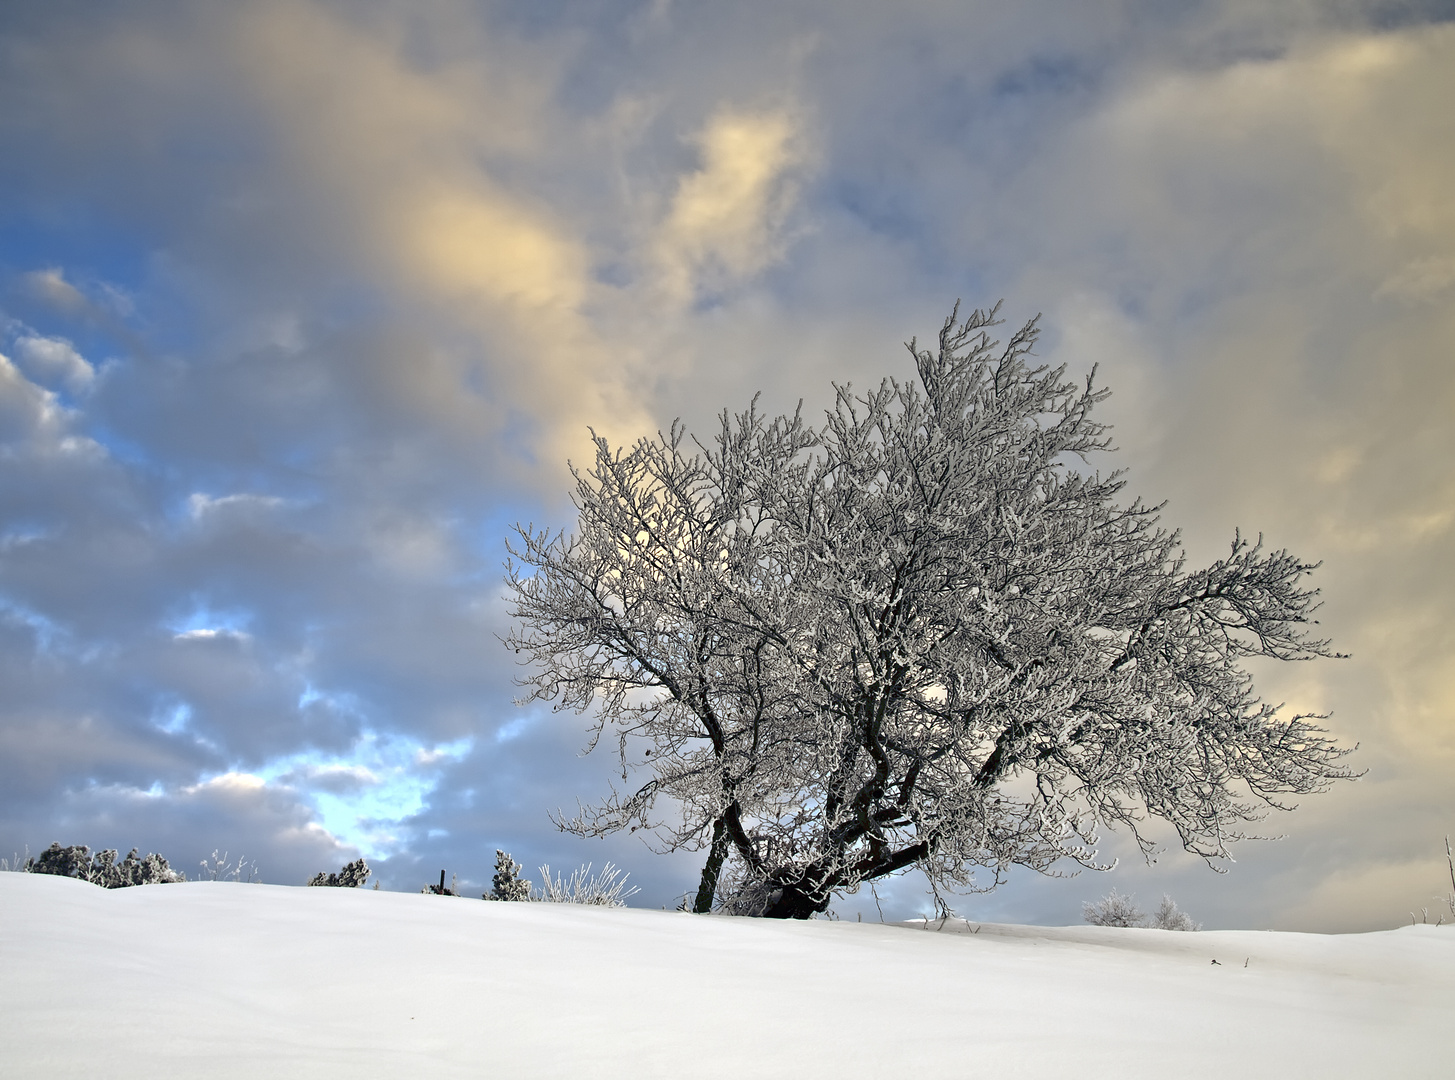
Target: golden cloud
{"type": "Point", "coordinates": [725, 222]}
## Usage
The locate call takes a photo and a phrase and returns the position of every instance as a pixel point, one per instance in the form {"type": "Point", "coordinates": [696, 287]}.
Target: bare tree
{"type": "Point", "coordinates": [914, 636]}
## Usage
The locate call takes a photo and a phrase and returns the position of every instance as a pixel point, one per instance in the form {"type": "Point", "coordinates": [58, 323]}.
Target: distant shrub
{"type": "Point", "coordinates": [607, 889]}
{"type": "Point", "coordinates": [1114, 909]}
{"type": "Point", "coordinates": [1448, 899]}
{"type": "Point", "coordinates": [102, 868]}
{"type": "Point", "coordinates": [351, 876]}
{"type": "Point", "coordinates": [507, 884]}
{"type": "Point", "coordinates": [1169, 916]}
{"type": "Point", "coordinates": [219, 869]}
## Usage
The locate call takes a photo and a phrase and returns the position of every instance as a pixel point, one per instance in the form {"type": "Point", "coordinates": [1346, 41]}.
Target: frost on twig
{"type": "Point", "coordinates": [606, 889]}
{"type": "Point", "coordinates": [218, 868]}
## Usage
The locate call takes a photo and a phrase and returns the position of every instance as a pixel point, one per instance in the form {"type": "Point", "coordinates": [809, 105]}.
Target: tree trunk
{"type": "Point", "coordinates": [707, 890]}
{"type": "Point", "coordinates": [793, 902]}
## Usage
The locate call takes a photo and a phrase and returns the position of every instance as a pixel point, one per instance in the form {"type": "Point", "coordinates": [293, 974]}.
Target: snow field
{"type": "Point", "coordinates": [229, 980]}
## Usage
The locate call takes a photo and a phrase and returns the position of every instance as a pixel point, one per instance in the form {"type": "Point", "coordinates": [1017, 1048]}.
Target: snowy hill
{"type": "Point", "coordinates": [228, 980]}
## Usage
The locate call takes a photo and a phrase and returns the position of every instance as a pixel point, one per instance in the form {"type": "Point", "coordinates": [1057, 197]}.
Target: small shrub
{"type": "Point", "coordinates": [607, 889]}
{"type": "Point", "coordinates": [1169, 916]}
{"type": "Point", "coordinates": [73, 861]}
{"type": "Point", "coordinates": [1114, 909]}
{"type": "Point", "coordinates": [1448, 899]}
{"type": "Point", "coordinates": [350, 877]}
{"type": "Point", "coordinates": [102, 869]}
{"type": "Point", "coordinates": [219, 869]}
{"type": "Point", "coordinates": [507, 884]}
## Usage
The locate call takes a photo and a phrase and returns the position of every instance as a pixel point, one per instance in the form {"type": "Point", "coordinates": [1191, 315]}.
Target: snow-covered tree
{"type": "Point", "coordinates": [1169, 916]}
{"type": "Point", "coordinates": [1114, 909]}
{"type": "Point", "coordinates": [507, 884]}
{"type": "Point", "coordinates": [351, 876]}
{"type": "Point", "coordinates": [914, 636]}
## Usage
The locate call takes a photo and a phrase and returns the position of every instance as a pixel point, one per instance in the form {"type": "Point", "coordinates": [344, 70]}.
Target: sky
{"type": "Point", "coordinates": [304, 304]}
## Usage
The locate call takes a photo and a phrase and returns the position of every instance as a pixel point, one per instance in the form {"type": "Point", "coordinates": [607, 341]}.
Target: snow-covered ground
{"type": "Point", "coordinates": [219, 979]}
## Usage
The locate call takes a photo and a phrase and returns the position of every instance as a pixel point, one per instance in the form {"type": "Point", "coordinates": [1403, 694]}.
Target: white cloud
{"type": "Point", "coordinates": [200, 505]}
{"type": "Point", "coordinates": [210, 633]}
{"type": "Point", "coordinates": [228, 783]}
{"type": "Point", "coordinates": [51, 360]}
{"type": "Point", "coordinates": [34, 425]}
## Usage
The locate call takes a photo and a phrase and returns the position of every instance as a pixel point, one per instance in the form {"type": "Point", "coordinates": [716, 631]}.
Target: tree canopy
{"type": "Point", "coordinates": [919, 634]}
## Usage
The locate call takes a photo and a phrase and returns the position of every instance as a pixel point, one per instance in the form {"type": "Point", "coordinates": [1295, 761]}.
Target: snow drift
{"type": "Point", "coordinates": [224, 979]}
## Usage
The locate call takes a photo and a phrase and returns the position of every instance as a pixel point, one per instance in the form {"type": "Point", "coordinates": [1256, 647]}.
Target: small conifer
{"type": "Point", "coordinates": [507, 884]}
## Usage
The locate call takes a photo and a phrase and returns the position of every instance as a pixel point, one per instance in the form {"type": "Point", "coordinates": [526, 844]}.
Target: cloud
{"type": "Point", "coordinates": [34, 425]}
{"type": "Point", "coordinates": [201, 506]}
{"type": "Point", "coordinates": [726, 217]}
{"type": "Point", "coordinates": [55, 360]}
{"type": "Point", "coordinates": [416, 167]}
{"type": "Point", "coordinates": [51, 285]}
{"type": "Point", "coordinates": [1272, 209]}
{"type": "Point", "coordinates": [1419, 281]}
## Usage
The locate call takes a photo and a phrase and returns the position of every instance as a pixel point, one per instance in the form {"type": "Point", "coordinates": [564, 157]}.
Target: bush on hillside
{"type": "Point", "coordinates": [351, 876]}
{"type": "Point", "coordinates": [218, 868]}
{"type": "Point", "coordinates": [606, 889]}
{"type": "Point", "coordinates": [102, 868]}
{"type": "Point", "coordinates": [507, 884]}
{"type": "Point", "coordinates": [1114, 909]}
{"type": "Point", "coordinates": [1169, 916]}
